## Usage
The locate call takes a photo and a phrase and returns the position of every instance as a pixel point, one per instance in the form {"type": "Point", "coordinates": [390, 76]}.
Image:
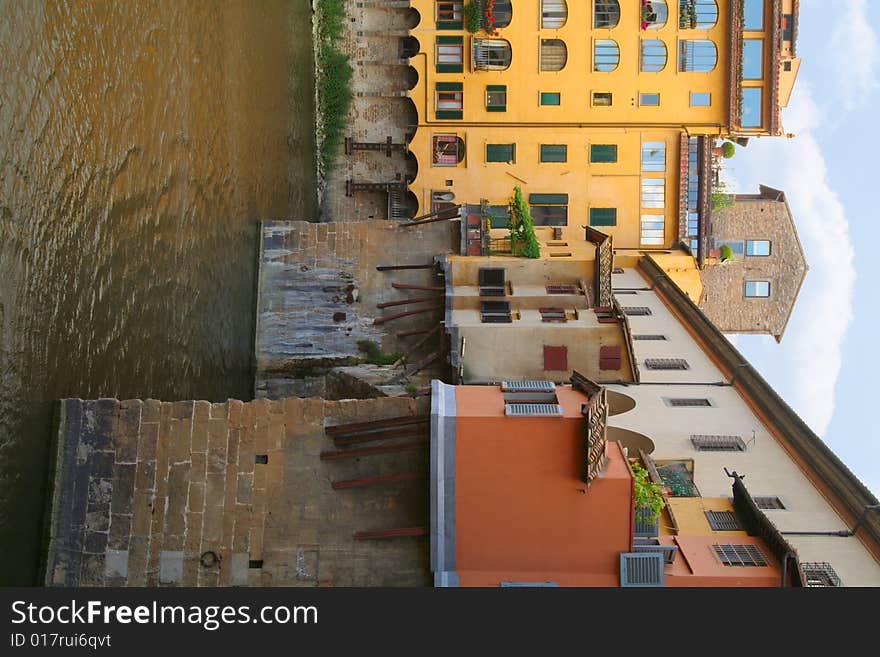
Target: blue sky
{"type": "Point", "coordinates": [826, 364]}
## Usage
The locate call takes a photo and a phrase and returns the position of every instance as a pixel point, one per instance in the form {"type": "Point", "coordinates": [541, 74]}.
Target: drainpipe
{"type": "Point", "coordinates": [843, 532]}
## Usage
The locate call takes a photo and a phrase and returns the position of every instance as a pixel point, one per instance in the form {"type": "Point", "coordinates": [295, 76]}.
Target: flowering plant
{"type": "Point", "coordinates": [489, 17]}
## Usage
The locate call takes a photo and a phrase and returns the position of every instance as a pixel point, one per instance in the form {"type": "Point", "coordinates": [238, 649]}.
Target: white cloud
{"type": "Point", "coordinates": [852, 51]}
{"type": "Point", "coordinates": [804, 369]}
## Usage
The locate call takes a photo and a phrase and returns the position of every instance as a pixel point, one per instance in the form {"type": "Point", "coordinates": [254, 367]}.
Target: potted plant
{"type": "Point", "coordinates": [647, 496]}
{"type": "Point", "coordinates": [728, 150]}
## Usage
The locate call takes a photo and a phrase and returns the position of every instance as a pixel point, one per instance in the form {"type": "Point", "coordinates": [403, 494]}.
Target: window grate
{"type": "Point", "coordinates": [553, 314]}
{"type": "Point", "coordinates": [768, 502]}
{"type": "Point", "coordinates": [636, 310]}
{"type": "Point", "coordinates": [666, 364]}
{"type": "Point", "coordinates": [528, 385]}
{"type": "Point", "coordinates": [723, 521]}
{"type": "Point", "coordinates": [641, 569]}
{"type": "Point", "coordinates": [707, 443]}
{"type": "Point", "coordinates": [688, 402]}
{"type": "Point", "coordinates": [739, 555]}
{"type": "Point", "coordinates": [533, 410]}
{"type": "Point", "coordinates": [649, 336]}
{"type": "Point", "coordinates": [820, 574]}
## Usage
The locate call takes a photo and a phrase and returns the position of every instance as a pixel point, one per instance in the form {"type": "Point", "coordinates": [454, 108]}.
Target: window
{"type": "Point", "coordinates": [752, 59]}
{"type": "Point", "coordinates": [649, 100]}
{"type": "Point", "coordinates": [561, 289]}
{"type": "Point", "coordinates": [757, 289]}
{"type": "Point", "coordinates": [753, 14]}
{"type": "Point", "coordinates": [656, 14]}
{"type": "Point", "coordinates": [603, 153]}
{"type": "Point", "coordinates": [554, 153]}
{"type": "Point", "coordinates": [554, 13]}
{"type": "Point", "coordinates": [750, 108]}
{"type": "Point", "coordinates": [768, 502]}
{"type": "Point", "coordinates": [739, 555]}
{"type": "Point", "coordinates": [549, 98]}
{"type": "Point", "coordinates": [757, 248]}
{"type": "Point", "coordinates": [555, 359]}
{"type": "Point", "coordinates": [819, 574]}
{"type": "Point", "coordinates": [687, 402]}
{"type": "Point", "coordinates": [533, 410]}
{"type": "Point", "coordinates": [651, 230]}
{"type": "Point", "coordinates": [549, 209]}
{"type": "Point", "coordinates": [636, 310]}
{"type": "Point", "coordinates": [449, 14]}
{"type": "Point", "coordinates": [653, 56]}
{"type": "Point", "coordinates": [649, 336]}
{"type": "Point", "coordinates": [723, 521]}
{"type": "Point", "coordinates": [603, 216]}
{"type": "Point", "coordinates": [448, 150]}
{"type": "Point", "coordinates": [708, 443]}
{"type": "Point", "coordinates": [606, 13]}
{"type": "Point", "coordinates": [450, 54]}
{"type": "Point", "coordinates": [496, 98]}
{"type": "Point", "coordinates": [495, 312]}
{"type": "Point", "coordinates": [653, 193]}
{"type": "Point", "coordinates": [552, 314]}
{"type": "Point", "coordinates": [697, 55]}
{"type": "Point", "coordinates": [502, 11]}
{"type": "Point", "coordinates": [666, 364]}
{"type": "Point", "coordinates": [601, 99]}
{"type": "Point", "coordinates": [554, 54]}
{"type": "Point", "coordinates": [491, 54]}
{"type": "Point", "coordinates": [697, 14]}
{"type": "Point", "coordinates": [491, 282]}
{"type": "Point", "coordinates": [701, 99]}
{"type": "Point", "coordinates": [654, 156]}
{"type": "Point", "coordinates": [617, 270]}
{"type": "Point", "coordinates": [606, 55]}
{"type": "Point", "coordinates": [449, 100]}
{"type": "Point", "coordinates": [501, 153]}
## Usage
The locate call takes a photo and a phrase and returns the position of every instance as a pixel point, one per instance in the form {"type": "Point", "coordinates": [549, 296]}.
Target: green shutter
{"type": "Point", "coordinates": [450, 25]}
{"type": "Point", "coordinates": [450, 86]}
{"type": "Point", "coordinates": [497, 87]}
{"type": "Point", "coordinates": [550, 98]}
{"type": "Point", "coordinates": [446, 40]}
{"type": "Point", "coordinates": [449, 114]}
{"type": "Point", "coordinates": [548, 199]}
{"type": "Point", "coordinates": [603, 153]}
{"type": "Point", "coordinates": [499, 152]}
{"type": "Point", "coordinates": [603, 216]}
{"type": "Point", "coordinates": [450, 68]}
{"type": "Point", "coordinates": [554, 153]}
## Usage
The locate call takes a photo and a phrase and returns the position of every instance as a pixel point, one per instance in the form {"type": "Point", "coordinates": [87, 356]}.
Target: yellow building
{"type": "Point", "coordinates": [589, 106]}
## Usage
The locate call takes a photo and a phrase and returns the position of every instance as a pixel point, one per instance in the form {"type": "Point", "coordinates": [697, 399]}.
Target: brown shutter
{"type": "Point", "coordinates": [556, 359]}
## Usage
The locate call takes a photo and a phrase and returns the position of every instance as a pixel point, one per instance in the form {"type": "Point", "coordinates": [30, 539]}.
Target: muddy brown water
{"type": "Point", "coordinates": [140, 142]}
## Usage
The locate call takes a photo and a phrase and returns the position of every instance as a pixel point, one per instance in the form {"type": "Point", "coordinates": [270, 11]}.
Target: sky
{"type": "Point", "coordinates": [825, 366]}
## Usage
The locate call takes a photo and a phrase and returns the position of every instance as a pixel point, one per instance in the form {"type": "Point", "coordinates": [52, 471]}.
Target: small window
{"type": "Point", "coordinates": [750, 108]}
{"type": "Point", "coordinates": [561, 289]}
{"type": "Point", "coordinates": [602, 99]}
{"type": "Point", "coordinates": [666, 364]}
{"type": "Point", "coordinates": [649, 100]}
{"type": "Point", "coordinates": [502, 14]}
{"type": "Point", "coordinates": [636, 311]}
{"type": "Point", "coordinates": [603, 216]}
{"type": "Point", "coordinates": [768, 502]}
{"type": "Point", "coordinates": [753, 14]}
{"type": "Point", "coordinates": [655, 13]}
{"type": "Point", "coordinates": [654, 156]}
{"type": "Point", "coordinates": [654, 193]}
{"type": "Point", "coordinates": [450, 54]}
{"type": "Point", "coordinates": [606, 55]}
{"type": "Point", "coordinates": [554, 14]}
{"type": "Point", "coordinates": [819, 574]}
{"type": "Point", "coordinates": [653, 56]}
{"type": "Point", "coordinates": [552, 314]}
{"type": "Point", "coordinates": [496, 98]}
{"type": "Point", "coordinates": [687, 402]}
{"type": "Point", "coordinates": [495, 312]}
{"type": "Point", "coordinates": [491, 54]}
{"type": "Point", "coordinates": [752, 59]}
{"type": "Point", "coordinates": [555, 359]}
{"type": "Point", "coordinates": [603, 153]}
{"type": "Point", "coordinates": [448, 150]}
{"type": "Point", "coordinates": [449, 14]}
{"type": "Point", "coordinates": [549, 209]}
{"type": "Point", "coordinates": [606, 13]}
{"type": "Point", "coordinates": [554, 153]}
{"type": "Point", "coordinates": [701, 99]}
{"type": "Point", "coordinates": [697, 55]}
{"type": "Point", "coordinates": [501, 153]}
{"type": "Point", "coordinates": [740, 555]}
{"type": "Point", "coordinates": [698, 14]}
{"type": "Point", "coordinates": [757, 289]}
{"type": "Point", "coordinates": [554, 55]}
{"type": "Point", "coordinates": [723, 521]}
{"type": "Point", "coordinates": [757, 248]}
{"type": "Point", "coordinates": [651, 230]}
{"type": "Point", "coordinates": [712, 443]}
{"type": "Point", "coordinates": [550, 98]}
{"type": "Point", "coordinates": [449, 99]}
{"type": "Point", "coordinates": [650, 336]}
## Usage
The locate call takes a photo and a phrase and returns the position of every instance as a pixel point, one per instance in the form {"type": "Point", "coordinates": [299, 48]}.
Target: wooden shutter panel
{"type": "Point", "coordinates": [550, 98]}
{"type": "Point", "coordinates": [603, 153]}
{"type": "Point", "coordinates": [603, 216]}
{"type": "Point", "coordinates": [609, 358]}
{"type": "Point", "coordinates": [556, 359]}
{"type": "Point", "coordinates": [548, 199]}
{"type": "Point", "coordinates": [499, 152]}
{"type": "Point", "coordinates": [554, 152]}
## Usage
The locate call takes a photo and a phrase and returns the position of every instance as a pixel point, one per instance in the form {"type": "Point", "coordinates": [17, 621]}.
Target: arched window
{"type": "Point", "coordinates": [491, 54]}
{"type": "Point", "coordinates": [698, 55]}
{"type": "Point", "coordinates": [698, 14]}
{"type": "Point", "coordinates": [502, 12]}
{"type": "Point", "coordinates": [554, 13]}
{"type": "Point", "coordinates": [606, 55]}
{"type": "Point", "coordinates": [655, 13]}
{"type": "Point", "coordinates": [653, 56]}
{"type": "Point", "coordinates": [606, 13]}
{"type": "Point", "coordinates": [554, 54]}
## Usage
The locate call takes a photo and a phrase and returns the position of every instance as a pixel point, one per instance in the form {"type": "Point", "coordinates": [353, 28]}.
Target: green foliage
{"type": "Point", "coordinates": [646, 495]}
{"type": "Point", "coordinates": [523, 241]}
{"type": "Point", "coordinates": [721, 200]}
{"type": "Point", "coordinates": [374, 353]}
{"type": "Point", "coordinates": [410, 388]}
{"type": "Point", "coordinates": [726, 252]}
{"type": "Point", "coordinates": [728, 150]}
{"type": "Point", "coordinates": [472, 16]}
{"type": "Point", "coordinates": [334, 78]}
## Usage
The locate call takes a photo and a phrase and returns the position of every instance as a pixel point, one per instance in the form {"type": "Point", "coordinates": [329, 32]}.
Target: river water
{"type": "Point", "coordinates": [139, 144]}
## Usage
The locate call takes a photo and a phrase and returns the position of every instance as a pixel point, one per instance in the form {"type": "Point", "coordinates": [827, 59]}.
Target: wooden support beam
{"type": "Point", "coordinates": [409, 352]}
{"type": "Point", "coordinates": [422, 364]}
{"type": "Point", "coordinates": [407, 286]}
{"type": "Point", "coordinates": [434, 213]}
{"type": "Point", "coordinates": [373, 425]}
{"type": "Point", "coordinates": [388, 318]}
{"type": "Point", "coordinates": [334, 454]}
{"type": "Point", "coordinates": [416, 431]}
{"type": "Point", "coordinates": [382, 479]}
{"type": "Point", "coordinates": [397, 267]}
{"type": "Point", "coordinates": [406, 334]}
{"type": "Point", "coordinates": [402, 302]}
{"type": "Point", "coordinates": [406, 224]}
{"type": "Point", "coordinates": [390, 533]}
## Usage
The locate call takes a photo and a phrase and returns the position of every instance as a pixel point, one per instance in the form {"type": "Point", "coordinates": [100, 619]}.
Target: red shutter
{"type": "Point", "coordinates": [609, 358]}
{"type": "Point", "coordinates": [556, 359]}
